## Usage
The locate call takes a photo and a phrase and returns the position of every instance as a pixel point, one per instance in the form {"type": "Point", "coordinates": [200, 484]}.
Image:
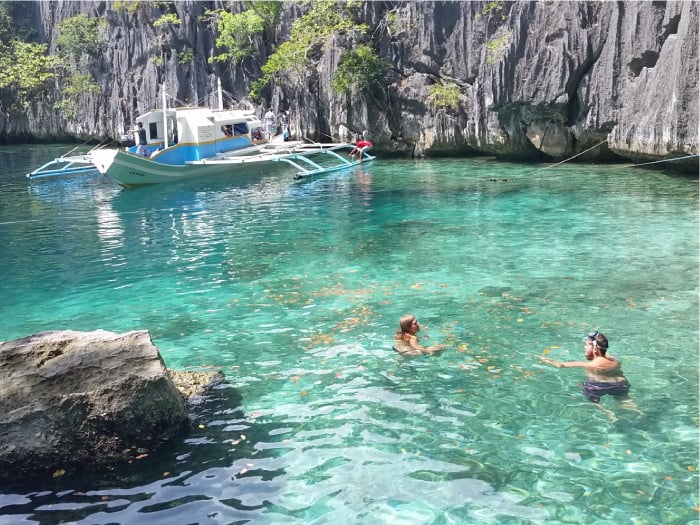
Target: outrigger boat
{"type": "Point", "coordinates": [65, 165]}
{"type": "Point", "coordinates": [195, 142]}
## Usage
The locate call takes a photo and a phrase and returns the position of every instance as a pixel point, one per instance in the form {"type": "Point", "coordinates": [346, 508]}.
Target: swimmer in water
{"type": "Point", "coordinates": [604, 374]}
{"type": "Point", "coordinates": [407, 341]}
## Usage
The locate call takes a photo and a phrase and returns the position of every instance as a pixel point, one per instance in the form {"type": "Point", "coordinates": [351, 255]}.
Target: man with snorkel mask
{"type": "Point", "coordinates": [604, 373]}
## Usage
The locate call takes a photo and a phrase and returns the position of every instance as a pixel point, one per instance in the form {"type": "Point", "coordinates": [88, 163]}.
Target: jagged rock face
{"type": "Point", "coordinates": [551, 77]}
{"type": "Point", "coordinates": [537, 79]}
{"type": "Point", "coordinates": [69, 399]}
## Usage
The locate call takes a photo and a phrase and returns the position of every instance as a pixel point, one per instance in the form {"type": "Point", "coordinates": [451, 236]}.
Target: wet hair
{"type": "Point", "coordinates": [405, 323]}
{"type": "Point", "coordinates": [601, 342]}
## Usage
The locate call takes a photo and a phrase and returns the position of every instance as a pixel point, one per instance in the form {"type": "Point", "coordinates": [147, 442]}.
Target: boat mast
{"type": "Point", "coordinates": [220, 93]}
{"type": "Point", "coordinates": [165, 118]}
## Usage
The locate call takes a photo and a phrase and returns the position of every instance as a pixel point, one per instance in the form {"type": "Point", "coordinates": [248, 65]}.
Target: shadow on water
{"type": "Point", "coordinates": [219, 435]}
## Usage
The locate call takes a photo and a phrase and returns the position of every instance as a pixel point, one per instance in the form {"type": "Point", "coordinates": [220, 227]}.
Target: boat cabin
{"type": "Point", "coordinates": [198, 133]}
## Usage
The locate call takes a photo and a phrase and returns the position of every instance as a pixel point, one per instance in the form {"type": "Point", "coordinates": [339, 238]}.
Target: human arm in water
{"type": "Point", "coordinates": [564, 364]}
{"type": "Point", "coordinates": [410, 346]}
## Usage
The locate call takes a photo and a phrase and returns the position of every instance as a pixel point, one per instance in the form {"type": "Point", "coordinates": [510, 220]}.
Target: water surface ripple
{"type": "Point", "coordinates": [294, 289]}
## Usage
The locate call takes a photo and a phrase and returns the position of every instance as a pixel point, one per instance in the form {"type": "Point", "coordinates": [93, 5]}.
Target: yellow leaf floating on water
{"type": "Point", "coordinates": [303, 392]}
{"type": "Point", "coordinates": [58, 473]}
{"type": "Point", "coordinates": [691, 468]}
{"type": "Point", "coordinates": [546, 351]}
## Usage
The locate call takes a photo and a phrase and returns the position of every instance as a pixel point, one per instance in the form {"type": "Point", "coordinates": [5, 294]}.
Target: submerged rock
{"type": "Point", "coordinates": [72, 398]}
{"type": "Point", "coordinates": [193, 385]}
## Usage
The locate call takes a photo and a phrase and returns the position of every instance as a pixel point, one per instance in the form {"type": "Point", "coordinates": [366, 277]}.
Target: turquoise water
{"type": "Point", "coordinates": [294, 289]}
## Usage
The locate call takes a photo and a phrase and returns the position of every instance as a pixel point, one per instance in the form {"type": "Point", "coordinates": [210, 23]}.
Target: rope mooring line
{"type": "Point", "coordinates": [662, 160]}
{"type": "Point", "coordinates": [567, 160]}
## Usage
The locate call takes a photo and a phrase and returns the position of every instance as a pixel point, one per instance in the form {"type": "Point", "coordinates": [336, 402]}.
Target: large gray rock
{"type": "Point", "coordinates": [71, 398]}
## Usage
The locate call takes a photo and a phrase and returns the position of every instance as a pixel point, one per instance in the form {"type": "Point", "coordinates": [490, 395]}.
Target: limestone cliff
{"type": "Point", "coordinates": [538, 80]}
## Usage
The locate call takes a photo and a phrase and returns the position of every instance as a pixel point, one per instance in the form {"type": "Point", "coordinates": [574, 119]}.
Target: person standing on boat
{"type": "Point", "coordinates": [284, 122]}
{"type": "Point", "coordinates": [270, 123]}
{"type": "Point", "coordinates": [142, 147]}
{"type": "Point", "coordinates": [604, 374]}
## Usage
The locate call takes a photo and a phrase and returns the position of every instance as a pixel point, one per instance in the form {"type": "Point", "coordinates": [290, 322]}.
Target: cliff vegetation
{"type": "Point", "coordinates": [527, 80]}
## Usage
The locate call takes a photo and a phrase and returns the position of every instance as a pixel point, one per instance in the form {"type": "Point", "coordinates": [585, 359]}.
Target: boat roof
{"type": "Point", "coordinates": [216, 116]}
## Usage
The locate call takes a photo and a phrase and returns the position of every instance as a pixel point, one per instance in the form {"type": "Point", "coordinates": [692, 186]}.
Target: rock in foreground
{"type": "Point", "coordinates": [69, 398]}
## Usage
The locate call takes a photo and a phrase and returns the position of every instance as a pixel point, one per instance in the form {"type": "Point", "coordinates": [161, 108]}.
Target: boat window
{"type": "Point", "coordinates": [240, 128]}
{"type": "Point", "coordinates": [153, 130]}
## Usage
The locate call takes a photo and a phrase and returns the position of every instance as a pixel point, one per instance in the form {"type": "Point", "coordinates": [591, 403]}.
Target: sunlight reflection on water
{"type": "Point", "coordinates": [294, 290]}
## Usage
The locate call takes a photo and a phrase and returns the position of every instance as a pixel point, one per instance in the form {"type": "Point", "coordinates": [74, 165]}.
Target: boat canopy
{"type": "Point", "coordinates": [228, 117]}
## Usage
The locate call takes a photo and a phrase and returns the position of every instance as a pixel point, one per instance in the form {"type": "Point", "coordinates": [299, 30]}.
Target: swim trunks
{"type": "Point", "coordinates": [594, 389]}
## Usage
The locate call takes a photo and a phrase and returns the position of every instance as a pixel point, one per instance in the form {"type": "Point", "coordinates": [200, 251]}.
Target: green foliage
{"type": "Point", "coordinates": [75, 86]}
{"type": "Point", "coordinates": [392, 22]}
{"type": "Point", "coordinates": [267, 10]}
{"type": "Point", "coordinates": [16, 22]}
{"type": "Point", "coordinates": [6, 29]}
{"type": "Point", "coordinates": [494, 7]}
{"type": "Point", "coordinates": [491, 6]}
{"type": "Point", "coordinates": [26, 68]}
{"type": "Point", "coordinates": [130, 6]}
{"type": "Point", "coordinates": [256, 89]}
{"type": "Point", "coordinates": [168, 19]}
{"type": "Point", "coordinates": [80, 35]}
{"type": "Point", "coordinates": [235, 34]}
{"type": "Point", "coordinates": [325, 17]}
{"type": "Point", "coordinates": [185, 57]}
{"type": "Point", "coordinates": [444, 96]}
{"type": "Point", "coordinates": [496, 47]}
{"type": "Point", "coordinates": [360, 69]}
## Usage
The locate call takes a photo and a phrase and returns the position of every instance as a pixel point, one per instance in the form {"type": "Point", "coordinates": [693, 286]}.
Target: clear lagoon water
{"type": "Point", "coordinates": [293, 289]}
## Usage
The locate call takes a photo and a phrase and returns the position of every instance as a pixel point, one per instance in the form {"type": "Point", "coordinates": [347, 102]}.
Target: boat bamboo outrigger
{"type": "Point", "coordinates": [65, 165]}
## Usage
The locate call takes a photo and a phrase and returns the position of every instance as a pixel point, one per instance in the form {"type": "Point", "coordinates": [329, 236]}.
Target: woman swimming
{"type": "Point", "coordinates": [407, 340]}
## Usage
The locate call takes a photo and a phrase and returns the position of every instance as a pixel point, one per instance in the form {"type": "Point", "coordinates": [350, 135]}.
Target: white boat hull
{"type": "Point", "coordinates": [130, 170]}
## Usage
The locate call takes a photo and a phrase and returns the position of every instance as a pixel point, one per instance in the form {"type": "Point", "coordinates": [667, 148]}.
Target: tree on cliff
{"type": "Point", "coordinates": [25, 66]}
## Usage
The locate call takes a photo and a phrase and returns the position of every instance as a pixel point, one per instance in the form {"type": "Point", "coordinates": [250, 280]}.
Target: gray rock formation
{"type": "Point", "coordinates": [536, 80]}
{"type": "Point", "coordinates": [83, 398]}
